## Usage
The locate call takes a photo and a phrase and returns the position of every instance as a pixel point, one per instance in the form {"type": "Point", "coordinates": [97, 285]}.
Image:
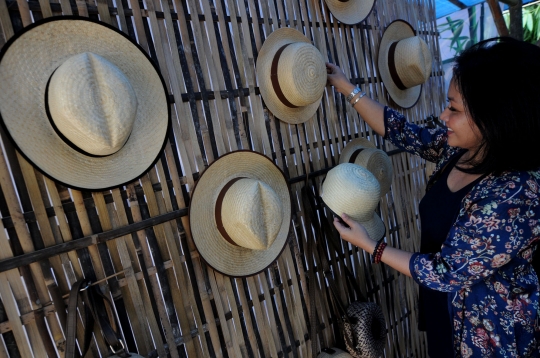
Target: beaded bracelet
{"type": "Point", "coordinates": [354, 92]}
{"type": "Point", "coordinates": [362, 94]}
{"type": "Point", "coordinates": [378, 251]}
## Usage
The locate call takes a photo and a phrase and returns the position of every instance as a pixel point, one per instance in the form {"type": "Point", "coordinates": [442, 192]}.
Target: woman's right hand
{"type": "Point", "coordinates": [337, 78]}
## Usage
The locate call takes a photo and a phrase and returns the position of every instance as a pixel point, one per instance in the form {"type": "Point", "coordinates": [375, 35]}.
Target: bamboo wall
{"type": "Point", "coordinates": [170, 303]}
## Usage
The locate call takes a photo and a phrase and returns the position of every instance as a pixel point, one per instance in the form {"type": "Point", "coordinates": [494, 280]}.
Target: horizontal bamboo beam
{"type": "Point", "coordinates": [42, 254]}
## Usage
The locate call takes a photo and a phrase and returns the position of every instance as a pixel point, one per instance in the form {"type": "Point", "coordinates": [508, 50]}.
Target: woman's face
{"type": "Point", "coordinates": [462, 132]}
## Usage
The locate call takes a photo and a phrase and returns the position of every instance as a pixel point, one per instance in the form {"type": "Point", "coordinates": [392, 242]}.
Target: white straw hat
{"type": "Point", "coordinates": [240, 213]}
{"type": "Point", "coordinates": [351, 189]}
{"type": "Point", "coordinates": [83, 102]}
{"type": "Point", "coordinates": [333, 353]}
{"type": "Point", "coordinates": [291, 74]}
{"type": "Point", "coordinates": [362, 152]}
{"type": "Point", "coordinates": [404, 63]}
{"type": "Point", "coordinates": [350, 11]}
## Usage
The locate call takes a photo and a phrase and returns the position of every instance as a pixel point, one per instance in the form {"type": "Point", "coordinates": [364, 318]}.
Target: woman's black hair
{"type": "Point", "coordinates": [499, 80]}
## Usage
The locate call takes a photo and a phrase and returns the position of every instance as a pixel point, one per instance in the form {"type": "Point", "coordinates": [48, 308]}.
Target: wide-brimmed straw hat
{"type": "Point", "coordinates": [362, 152]}
{"type": "Point", "coordinates": [83, 102]}
{"type": "Point", "coordinates": [240, 213]}
{"type": "Point", "coordinates": [351, 189]}
{"type": "Point", "coordinates": [350, 11]}
{"type": "Point", "coordinates": [404, 63]}
{"type": "Point", "coordinates": [291, 74]}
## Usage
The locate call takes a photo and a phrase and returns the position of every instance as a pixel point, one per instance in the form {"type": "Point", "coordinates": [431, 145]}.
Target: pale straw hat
{"type": "Point", "coordinates": [404, 63]}
{"type": "Point", "coordinates": [291, 74]}
{"type": "Point", "coordinates": [350, 11]}
{"type": "Point", "coordinates": [362, 152]}
{"type": "Point", "coordinates": [83, 102]}
{"type": "Point", "coordinates": [351, 189]}
{"type": "Point", "coordinates": [333, 353]}
{"type": "Point", "coordinates": [240, 213]}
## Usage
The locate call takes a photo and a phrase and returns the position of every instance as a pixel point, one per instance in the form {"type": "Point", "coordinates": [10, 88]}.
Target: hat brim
{"type": "Point", "coordinates": [269, 48]}
{"type": "Point", "coordinates": [231, 260]}
{"type": "Point", "coordinates": [397, 30]}
{"type": "Point", "coordinates": [26, 63]}
{"type": "Point", "coordinates": [353, 146]}
{"type": "Point", "coordinates": [350, 12]}
{"type": "Point", "coordinates": [374, 226]}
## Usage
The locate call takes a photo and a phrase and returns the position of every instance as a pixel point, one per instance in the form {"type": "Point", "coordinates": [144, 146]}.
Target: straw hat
{"type": "Point", "coordinates": [292, 75]}
{"type": "Point", "coordinates": [240, 213]}
{"type": "Point", "coordinates": [404, 63]}
{"type": "Point", "coordinates": [82, 102]}
{"type": "Point", "coordinates": [362, 152]}
{"type": "Point", "coordinates": [334, 353]}
{"type": "Point", "coordinates": [350, 11]}
{"type": "Point", "coordinates": [351, 189]}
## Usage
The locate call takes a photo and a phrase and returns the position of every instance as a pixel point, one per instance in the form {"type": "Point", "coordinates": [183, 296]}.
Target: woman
{"type": "Point", "coordinates": [480, 217]}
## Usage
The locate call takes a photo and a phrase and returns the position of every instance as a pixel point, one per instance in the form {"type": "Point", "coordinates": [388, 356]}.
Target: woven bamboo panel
{"type": "Point", "coordinates": [168, 301]}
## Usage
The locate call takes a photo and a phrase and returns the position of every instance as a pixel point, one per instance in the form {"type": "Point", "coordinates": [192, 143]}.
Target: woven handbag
{"type": "Point", "coordinates": [361, 323]}
{"type": "Point", "coordinates": [91, 303]}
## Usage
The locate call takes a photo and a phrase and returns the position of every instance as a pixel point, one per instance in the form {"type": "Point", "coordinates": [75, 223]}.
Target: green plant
{"type": "Point", "coordinates": [531, 22]}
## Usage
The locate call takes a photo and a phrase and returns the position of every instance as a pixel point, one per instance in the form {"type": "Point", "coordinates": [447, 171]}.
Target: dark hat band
{"type": "Point", "coordinates": [392, 66]}
{"type": "Point", "coordinates": [275, 80]}
{"type": "Point", "coordinates": [353, 157]}
{"type": "Point", "coordinates": [217, 210]}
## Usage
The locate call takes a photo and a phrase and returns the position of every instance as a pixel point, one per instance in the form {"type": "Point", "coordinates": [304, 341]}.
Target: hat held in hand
{"type": "Point", "coordinates": [350, 12]}
{"type": "Point", "coordinates": [362, 152]}
{"type": "Point", "coordinates": [351, 189]}
{"type": "Point", "coordinates": [240, 213]}
{"type": "Point", "coordinates": [83, 102]}
{"type": "Point", "coordinates": [404, 63]}
{"type": "Point", "coordinates": [292, 75]}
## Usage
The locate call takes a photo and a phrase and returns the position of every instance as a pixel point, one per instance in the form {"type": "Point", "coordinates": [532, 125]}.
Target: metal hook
{"type": "Point", "coordinates": [85, 288]}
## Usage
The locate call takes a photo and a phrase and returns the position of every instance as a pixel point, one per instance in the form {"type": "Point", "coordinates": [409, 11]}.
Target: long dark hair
{"type": "Point", "coordinates": [499, 80]}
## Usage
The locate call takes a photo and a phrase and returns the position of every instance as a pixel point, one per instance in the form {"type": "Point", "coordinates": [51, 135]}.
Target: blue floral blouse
{"type": "Point", "coordinates": [485, 262]}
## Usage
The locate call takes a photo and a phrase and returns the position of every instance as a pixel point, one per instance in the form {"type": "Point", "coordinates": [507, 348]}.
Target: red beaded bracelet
{"type": "Point", "coordinates": [377, 252]}
{"type": "Point", "coordinates": [378, 256]}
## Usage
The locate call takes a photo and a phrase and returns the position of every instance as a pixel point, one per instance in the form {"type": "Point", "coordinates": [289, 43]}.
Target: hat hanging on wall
{"type": "Point", "coordinates": [350, 11]}
{"type": "Point", "coordinates": [351, 189]}
{"type": "Point", "coordinates": [291, 74]}
{"type": "Point", "coordinates": [83, 102]}
{"type": "Point", "coordinates": [240, 213]}
{"type": "Point", "coordinates": [404, 63]}
{"type": "Point", "coordinates": [362, 152]}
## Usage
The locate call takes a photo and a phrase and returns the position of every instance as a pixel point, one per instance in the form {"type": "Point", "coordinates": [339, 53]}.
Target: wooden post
{"type": "Point", "coordinates": [516, 20]}
{"type": "Point", "coordinates": [498, 17]}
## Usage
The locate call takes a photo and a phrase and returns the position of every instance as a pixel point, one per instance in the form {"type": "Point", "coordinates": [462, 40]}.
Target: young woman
{"type": "Point", "coordinates": [480, 217]}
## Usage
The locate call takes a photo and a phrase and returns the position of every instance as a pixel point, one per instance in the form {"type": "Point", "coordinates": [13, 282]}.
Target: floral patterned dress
{"type": "Point", "coordinates": [485, 262]}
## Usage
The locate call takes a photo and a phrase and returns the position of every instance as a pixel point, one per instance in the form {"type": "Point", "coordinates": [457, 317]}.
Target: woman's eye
{"type": "Point", "coordinates": [452, 109]}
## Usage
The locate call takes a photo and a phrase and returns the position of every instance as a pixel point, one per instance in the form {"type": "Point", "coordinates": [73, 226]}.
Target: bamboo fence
{"type": "Point", "coordinates": [135, 241]}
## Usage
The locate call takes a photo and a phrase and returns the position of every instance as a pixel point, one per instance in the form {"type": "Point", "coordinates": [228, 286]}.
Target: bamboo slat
{"type": "Point", "coordinates": [135, 241]}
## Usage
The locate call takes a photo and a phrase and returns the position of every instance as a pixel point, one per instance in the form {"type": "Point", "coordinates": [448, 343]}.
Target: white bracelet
{"type": "Point", "coordinates": [354, 92]}
{"type": "Point", "coordinates": [362, 94]}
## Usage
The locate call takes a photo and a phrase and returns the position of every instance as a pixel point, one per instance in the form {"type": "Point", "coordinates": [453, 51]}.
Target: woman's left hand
{"type": "Point", "coordinates": [356, 234]}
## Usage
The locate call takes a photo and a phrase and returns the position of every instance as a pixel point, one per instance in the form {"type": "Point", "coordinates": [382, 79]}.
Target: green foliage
{"type": "Point", "coordinates": [531, 23]}
{"type": "Point", "coordinates": [458, 43]}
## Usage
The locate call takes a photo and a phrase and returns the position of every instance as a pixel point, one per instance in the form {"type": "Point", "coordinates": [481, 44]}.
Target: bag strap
{"type": "Point", "coordinates": [95, 312]}
{"type": "Point", "coordinates": [313, 251]}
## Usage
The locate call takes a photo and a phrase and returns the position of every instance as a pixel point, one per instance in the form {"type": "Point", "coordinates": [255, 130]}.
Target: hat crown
{"type": "Point", "coordinates": [302, 73]}
{"type": "Point", "coordinates": [412, 59]}
{"type": "Point", "coordinates": [379, 164]}
{"type": "Point", "coordinates": [92, 104]}
{"type": "Point", "coordinates": [252, 214]}
{"type": "Point", "coordinates": [353, 190]}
